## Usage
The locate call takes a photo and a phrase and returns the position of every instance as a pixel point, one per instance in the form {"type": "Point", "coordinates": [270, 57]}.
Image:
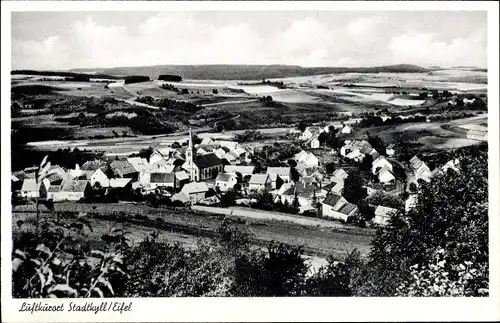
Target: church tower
{"type": "Point", "coordinates": [190, 155]}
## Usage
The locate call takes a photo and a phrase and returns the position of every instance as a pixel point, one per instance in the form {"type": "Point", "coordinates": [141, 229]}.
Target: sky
{"type": "Point", "coordinates": [66, 40]}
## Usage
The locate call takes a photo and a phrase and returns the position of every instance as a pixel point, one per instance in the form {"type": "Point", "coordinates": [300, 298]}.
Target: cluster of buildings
{"type": "Point", "coordinates": [201, 173]}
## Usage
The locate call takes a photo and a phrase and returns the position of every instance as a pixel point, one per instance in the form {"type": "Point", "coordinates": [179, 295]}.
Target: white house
{"type": "Point", "coordinates": [282, 172]}
{"type": "Point", "coordinates": [420, 169]}
{"type": "Point", "coordinates": [336, 207]}
{"type": "Point", "coordinates": [346, 129]}
{"type": "Point", "coordinates": [477, 134]}
{"type": "Point", "coordinates": [195, 190]}
{"type": "Point", "coordinates": [307, 159]}
{"type": "Point", "coordinates": [309, 132]}
{"type": "Point", "coordinates": [390, 150]}
{"type": "Point", "coordinates": [162, 180]}
{"type": "Point", "coordinates": [30, 189]}
{"type": "Point", "coordinates": [356, 155]}
{"type": "Point", "coordinates": [99, 177]}
{"type": "Point", "coordinates": [259, 182]}
{"type": "Point", "coordinates": [383, 214]}
{"type": "Point", "coordinates": [314, 142]}
{"type": "Point", "coordinates": [385, 175]}
{"type": "Point", "coordinates": [340, 174]}
{"type": "Point", "coordinates": [380, 163]}
{"type": "Point", "coordinates": [70, 190]}
{"type": "Point", "coordinates": [226, 181]}
{"type": "Point", "coordinates": [156, 156]}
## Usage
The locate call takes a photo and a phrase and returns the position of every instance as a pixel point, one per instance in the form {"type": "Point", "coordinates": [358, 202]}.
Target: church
{"type": "Point", "coordinates": [201, 167]}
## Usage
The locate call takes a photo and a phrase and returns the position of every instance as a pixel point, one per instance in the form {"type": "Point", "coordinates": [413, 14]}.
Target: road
{"type": "Point", "coordinates": [228, 102]}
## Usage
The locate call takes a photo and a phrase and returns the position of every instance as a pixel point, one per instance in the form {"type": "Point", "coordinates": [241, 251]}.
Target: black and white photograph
{"type": "Point", "coordinates": [247, 153]}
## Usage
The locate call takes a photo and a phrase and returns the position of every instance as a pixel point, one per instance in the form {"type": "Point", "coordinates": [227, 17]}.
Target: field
{"type": "Point", "coordinates": [183, 226]}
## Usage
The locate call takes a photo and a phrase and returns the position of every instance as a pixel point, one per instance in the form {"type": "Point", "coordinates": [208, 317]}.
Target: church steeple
{"type": "Point", "coordinates": [190, 149]}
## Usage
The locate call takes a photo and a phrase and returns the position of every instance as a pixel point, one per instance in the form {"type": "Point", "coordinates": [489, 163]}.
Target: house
{"type": "Point", "coordinates": [207, 141]}
{"type": "Point", "coordinates": [309, 132]}
{"type": "Point", "coordinates": [477, 134]}
{"type": "Point", "coordinates": [336, 207]}
{"type": "Point", "coordinates": [140, 164]}
{"type": "Point", "coordinates": [259, 182]}
{"type": "Point", "coordinates": [231, 145]}
{"type": "Point", "coordinates": [283, 172]}
{"type": "Point", "coordinates": [351, 145]}
{"type": "Point", "coordinates": [420, 169]}
{"type": "Point", "coordinates": [162, 180]}
{"type": "Point", "coordinates": [313, 142]}
{"type": "Point", "coordinates": [219, 152]}
{"type": "Point", "coordinates": [356, 155]}
{"type": "Point", "coordinates": [386, 176]}
{"type": "Point", "coordinates": [307, 159]}
{"type": "Point", "coordinates": [306, 195]}
{"type": "Point", "coordinates": [156, 155]}
{"type": "Point", "coordinates": [383, 214]}
{"type": "Point", "coordinates": [70, 190]}
{"type": "Point", "coordinates": [243, 170]}
{"type": "Point", "coordinates": [30, 188]}
{"type": "Point", "coordinates": [225, 181]}
{"type": "Point", "coordinates": [54, 179]}
{"type": "Point", "coordinates": [120, 185]}
{"type": "Point", "coordinates": [380, 163]}
{"type": "Point", "coordinates": [195, 190]}
{"type": "Point", "coordinates": [160, 166]}
{"type": "Point", "coordinates": [201, 167]}
{"type": "Point", "coordinates": [124, 169]}
{"type": "Point", "coordinates": [347, 129]}
{"type": "Point", "coordinates": [201, 151]}
{"type": "Point", "coordinates": [390, 150]}
{"type": "Point", "coordinates": [93, 165]}
{"type": "Point", "coordinates": [336, 186]}
{"type": "Point", "coordinates": [340, 174]}
{"type": "Point", "coordinates": [100, 178]}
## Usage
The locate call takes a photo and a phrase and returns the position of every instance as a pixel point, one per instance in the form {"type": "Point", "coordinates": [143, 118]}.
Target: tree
{"type": "Point", "coordinates": [302, 126]}
{"type": "Point", "coordinates": [175, 144]}
{"type": "Point", "coordinates": [353, 188]}
{"type": "Point", "coordinates": [451, 214]}
{"type": "Point", "coordinates": [384, 199]}
{"type": "Point", "coordinates": [366, 212]}
{"type": "Point", "coordinates": [366, 165]}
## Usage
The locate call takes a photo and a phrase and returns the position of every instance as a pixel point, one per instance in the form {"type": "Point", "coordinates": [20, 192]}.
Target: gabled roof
{"type": "Point", "coordinates": [415, 162]}
{"type": "Point", "coordinates": [162, 178]}
{"type": "Point", "coordinates": [224, 177]}
{"type": "Point", "coordinates": [138, 163]}
{"type": "Point", "coordinates": [21, 175]}
{"type": "Point", "coordinates": [195, 187]}
{"type": "Point", "coordinates": [391, 146]}
{"type": "Point", "coordinates": [74, 185]}
{"type": "Point", "coordinates": [260, 179]}
{"type": "Point", "coordinates": [54, 177]}
{"type": "Point", "coordinates": [119, 182]}
{"type": "Point", "coordinates": [94, 165]}
{"type": "Point", "coordinates": [347, 208]}
{"type": "Point", "coordinates": [239, 169]}
{"type": "Point", "coordinates": [207, 141]}
{"type": "Point", "coordinates": [123, 167]}
{"type": "Point", "coordinates": [332, 199]}
{"type": "Point", "coordinates": [282, 171]}
{"type": "Point", "coordinates": [182, 175]}
{"type": "Point", "coordinates": [207, 160]}
{"type": "Point", "coordinates": [340, 173]}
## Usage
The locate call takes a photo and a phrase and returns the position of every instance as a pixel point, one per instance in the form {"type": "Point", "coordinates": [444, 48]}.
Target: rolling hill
{"type": "Point", "coordinates": [245, 72]}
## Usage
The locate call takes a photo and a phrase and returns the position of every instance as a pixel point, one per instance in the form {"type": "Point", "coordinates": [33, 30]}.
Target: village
{"type": "Point", "coordinates": [324, 176]}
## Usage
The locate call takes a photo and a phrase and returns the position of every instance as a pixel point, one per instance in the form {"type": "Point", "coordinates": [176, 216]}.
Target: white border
{"type": "Point", "coordinates": [266, 309]}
